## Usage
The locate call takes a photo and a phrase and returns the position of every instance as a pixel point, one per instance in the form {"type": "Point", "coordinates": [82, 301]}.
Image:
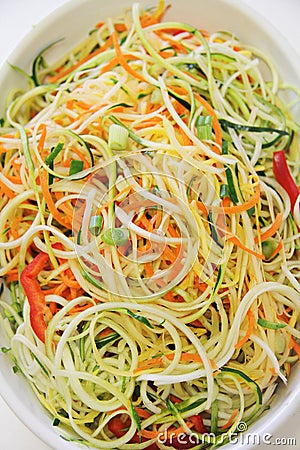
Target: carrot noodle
{"type": "Point", "coordinates": [142, 165]}
{"type": "Point", "coordinates": [249, 330]}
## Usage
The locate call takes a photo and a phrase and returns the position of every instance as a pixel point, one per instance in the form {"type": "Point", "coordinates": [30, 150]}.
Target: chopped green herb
{"type": "Point", "coordinates": [76, 166]}
{"type": "Point", "coordinates": [54, 153]}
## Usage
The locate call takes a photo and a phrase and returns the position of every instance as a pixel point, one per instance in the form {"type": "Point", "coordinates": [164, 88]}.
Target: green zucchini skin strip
{"type": "Point", "coordinates": [254, 386]}
{"type": "Point", "coordinates": [225, 124]}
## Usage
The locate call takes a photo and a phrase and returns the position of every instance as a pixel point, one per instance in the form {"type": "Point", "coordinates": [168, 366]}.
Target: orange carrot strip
{"type": "Point", "coordinates": [276, 251]}
{"type": "Point", "coordinates": [202, 207]}
{"type": "Point", "coordinates": [187, 357]}
{"type": "Point", "coordinates": [172, 231]}
{"type": "Point", "coordinates": [113, 62]}
{"type": "Point", "coordinates": [6, 190]}
{"type": "Point", "coordinates": [70, 281]}
{"type": "Point", "coordinates": [166, 54]}
{"type": "Point", "coordinates": [63, 206]}
{"type": "Point", "coordinates": [230, 420]}
{"type": "Point", "coordinates": [175, 44]}
{"type": "Point", "coordinates": [41, 143]}
{"type": "Point", "coordinates": [119, 27]}
{"type": "Point", "coordinates": [226, 201]}
{"type": "Point", "coordinates": [149, 123]}
{"type": "Point", "coordinates": [50, 203]}
{"type": "Point", "coordinates": [235, 240]}
{"type": "Point", "coordinates": [12, 276]}
{"type": "Point", "coordinates": [179, 90]}
{"type": "Point", "coordinates": [78, 309]}
{"type": "Point", "coordinates": [145, 222]}
{"type": "Point", "coordinates": [272, 230]}
{"type": "Point", "coordinates": [4, 149]}
{"type": "Point", "coordinates": [147, 19]}
{"type": "Point", "coordinates": [169, 296]}
{"type": "Point", "coordinates": [168, 254]}
{"type": "Point", "coordinates": [14, 179]}
{"type": "Point", "coordinates": [149, 270]}
{"type": "Point", "coordinates": [70, 103]}
{"type": "Point", "coordinates": [14, 225]}
{"type": "Point", "coordinates": [239, 208]}
{"type": "Point", "coordinates": [177, 266]}
{"type": "Point", "coordinates": [194, 357]}
{"type": "Point", "coordinates": [127, 189]}
{"type": "Point", "coordinates": [99, 24]}
{"type": "Point", "coordinates": [249, 330]}
{"type": "Point", "coordinates": [122, 60]}
{"type": "Point", "coordinates": [143, 413]}
{"type": "Point", "coordinates": [201, 286]}
{"type": "Point", "coordinates": [60, 289]}
{"type": "Point", "coordinates": [104, 47]}
{"type": "Point", "coordinates": [53, 308]}
{"type": "Point", "coordinates": [182, 137]}
{"type": "Point", "coordinates": [105, 333]}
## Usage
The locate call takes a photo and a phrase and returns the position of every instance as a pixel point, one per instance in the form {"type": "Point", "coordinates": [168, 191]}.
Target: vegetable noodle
{"type": "Point", "coordinates": [149, 234]}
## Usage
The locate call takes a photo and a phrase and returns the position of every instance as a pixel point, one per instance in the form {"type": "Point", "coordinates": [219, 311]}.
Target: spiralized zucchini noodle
{"type": "Point", "coordinates": [149, 234]}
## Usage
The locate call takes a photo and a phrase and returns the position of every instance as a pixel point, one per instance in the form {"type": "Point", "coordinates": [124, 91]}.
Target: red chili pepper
{"type": "Point", "coordinates": [35, 295]}
{"type": "Point", "coordinates": [284, 177]}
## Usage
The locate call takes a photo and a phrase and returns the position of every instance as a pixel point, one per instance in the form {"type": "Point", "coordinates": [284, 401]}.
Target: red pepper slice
{"type": "Point", "coordinates": [35, 295]}
{"type": "Point", "coordinates": [181, 442]}
{"type": "Point", "coordinates": [119, 428]}
{"type": "Point", "coordinates": [198, 424]}
{"type": "Point", "coordinates": [284, 177]}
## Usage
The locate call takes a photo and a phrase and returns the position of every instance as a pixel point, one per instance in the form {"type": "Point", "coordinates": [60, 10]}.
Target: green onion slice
{"type": "Point", "coordinates": [272, 325]}
{"type": "Point", "coordinates": [54, 153]}
{"type": "Point", "coordinates": [96, 225]}
{"type": "Point", "coordinates": [118, 137]}
{"type": "Point", "coordinates": [204, 127]}
{"type": "Point", "coordinates": [76, 166]}
{"type": "Point", "coordinates": [116, 236]}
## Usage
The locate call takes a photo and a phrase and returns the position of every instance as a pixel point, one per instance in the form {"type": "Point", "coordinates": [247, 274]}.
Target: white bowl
{"type": "Point", "coordinates": [82, 15]}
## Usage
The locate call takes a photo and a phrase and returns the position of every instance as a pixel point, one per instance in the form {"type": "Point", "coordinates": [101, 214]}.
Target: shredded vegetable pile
{"type": "Point", "coordinates": [149, 234]}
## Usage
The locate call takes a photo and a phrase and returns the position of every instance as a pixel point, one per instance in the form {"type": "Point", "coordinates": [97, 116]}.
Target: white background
{"type": "Point", "coordinates": [16, 19]}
